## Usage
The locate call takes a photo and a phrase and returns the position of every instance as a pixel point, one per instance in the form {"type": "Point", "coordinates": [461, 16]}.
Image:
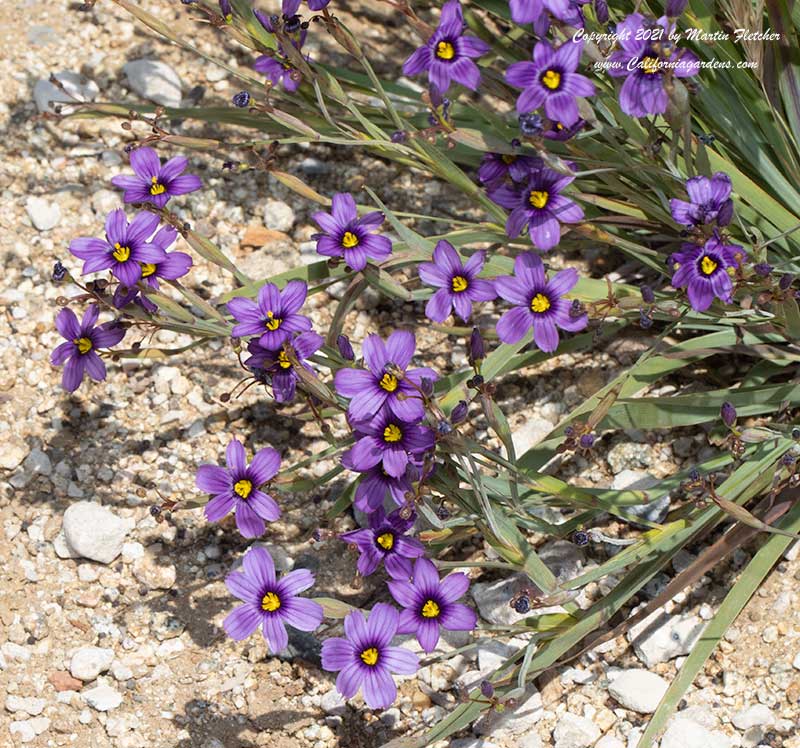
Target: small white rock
{"type": "Point", "coordinates": [573, 731]}
{"type": "Point", "coordinates": [29, 705]}
{"type": "Point", "coordinates": [44, 214]}
{"type": "Point", "coordinates": [684, 733]}
{"type": "Point", "coordinates": [278, 215]}
{"type": "Point", "coordinates": [102, 698]}
{"type": "Point", "coordinates": [88, 662]}
{"type": "Point", "coordinates": [638, 690]}
{"type": "Point", "coordinates": [77, 88]}
{"type": "Point", "coordinates": [94, 531]}
{"type": "Point", "coordinates": [755, 715]}
{"type": "Point", "coordinates": [28, 729]}
{"type": "Point", "coordinates": [154, 80]}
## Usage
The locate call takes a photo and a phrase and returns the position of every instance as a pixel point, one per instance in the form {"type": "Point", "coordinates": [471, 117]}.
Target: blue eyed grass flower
{"type": "Point", "coordinates": [365, 658]}
{"type": "Point", "coordinates": [538, 303]}
{"type": "Point", "coordinates": [269, 601]}
{"type": "Point", "coordinates": [238, 488]}
{"type": "Point", "coordinates": [153, 182]}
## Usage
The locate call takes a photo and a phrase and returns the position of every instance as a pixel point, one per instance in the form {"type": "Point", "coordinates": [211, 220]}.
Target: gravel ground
{"type": "Point", "coordinates": [131, 652]}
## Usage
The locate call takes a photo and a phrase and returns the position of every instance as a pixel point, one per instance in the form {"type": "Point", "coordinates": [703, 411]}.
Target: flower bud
{"type": "Point", "coordinates": [399, 136]}
{"type": "Point", "coordinates": [59, 272]}
{"type": "Point", "coordinates": [487, 689]}
{"type": "Point", "coordinates": [648, 297]}
{"type": "Point", "coordinates": [477, 351]}
{"type": "Point", "coordinates": [459, 412]}
{"type": "Point", "coordinates": [728, 413]}
{"type": "Point", "coordinates": [345, 349]}
{"type": "Point", "coordinates": [426, 385]}
{"type": "Point", "coordinates": [226, 10]}
{"type": "Point", "coordinates": [268, 22]}
{"type": "Point", "coordinates": [241, 99]}
{"type": "Point", "coordinates": [785, 281]}
{"type": "Point", "coordinates": [587, 441]}
{"type": "Point", "coordinates": [601, 11]}
{"type": "Point", "coordinates": [676, 7]}
{"type": "Point", "coordinates": [521, 603]}
{"type": "Point", "coordinates": [762, 269]}
{"type": "Point", "coordinates": [530, 125]}
{"type": "Point", "coordinates": [580, 538]}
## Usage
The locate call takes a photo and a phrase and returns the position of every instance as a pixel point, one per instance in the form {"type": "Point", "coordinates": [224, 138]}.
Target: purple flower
{"type": "Point", "coordinates": [153, 182]}
{"type": "Point", "coordinates": [559, 132]}
{"type": "Point", "coordinates": [375, 484]}
{"type": "Point", "coordinates": [238, 487]}
{"type": "Point", "coordinates": [269, 602]}
{"type": "Point", "coordinates": [709, 201]}
{"type": "Point", "coordinates": [278, 364]}
{"type": "Point", "coordinates": [447, 55]}
{"type": "Point", "coordinates": [279, 73]}
{"type": "Point", "coordinates": [348, 236]}
{"type": "Point", "coordinates": [495, 167]}
{"type": "Point", "coordinates": [703, 271]}
{"type": "Point", "coordinates": [540, 205]}
{"type": "Point", "coordinates": [644, 60]}
{"type": "Point", "coordinates": [386, 380]}
{"type": "Point", "coordinates": [274, 316]}
{"type": "Point", "coordinates": [551, 80]}
{"type": "Point", "coordinates": [538, 303]}
{"type": "Point", "coordinates": [366, 659]}
{"type": "Point", "coordinates": [387, 440]}
{"type": "Point", "coordinates": [125, 249]}
{"type": "Point", "coordinates": [290, 7]}
{"type": "Point", "coordinates": [83, 340]}
{"type": "Point", "coordinates": [385, 540]}
{"type": "Point", "coordinates": [536, 12]}
{"type": "Point", "coordinates": [430, 603]}
{"type": "Point", "coordinates": [457, 283]}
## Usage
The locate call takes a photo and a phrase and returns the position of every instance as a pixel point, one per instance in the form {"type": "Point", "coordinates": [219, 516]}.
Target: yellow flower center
{"type": "Point", "coordinates": [431, 609]}
{"type": "Point", "coordinates": [552, 79]}
{"type": "Point", "coordinates": [385, 541]}
{"type": "Point", "coordinates": [148, 268]}
{"type": "Point", "coordinates": [650, 65]}
{"type": "Point", "coordinates": [369, 656]}
{"type": "Point", "coordinates": [508, 158]}
{"type": "Point", "coordinates": [120, 253]}
{"type": "Point", "coordinates": [349, 240]}
{"type": "Point", "coordinates": [538, 198]}
{"type": "Point", "coordinates": [540, 303]}
{"type": "Point", "coordinates": [270, 602]}
{"type": "Point", "coordinates": [273, 322]}
{"type": "Point", "coordinates": [459, 283]}
{"type": "Point", "coordinates": [445, 51]}
{"type": "Point", "coordinates": [283, 360]}
{"type": "Point", "coordinates": [707, 265]}
{"type": "Point", "coordinates": [559, 126]}
{"type": "Point", "coordinates": [243, 487]}
{"type": "Point", "coordinates": [156, 188]}
{"type": "Point", "coordinates": [84, 345]}
{"type": "Point", "coordinates": [392, 433]}
{"type": "Point", "coordinates": [389, 382]}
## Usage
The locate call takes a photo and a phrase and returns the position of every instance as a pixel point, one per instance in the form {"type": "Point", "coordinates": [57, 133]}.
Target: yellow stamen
{"type": "Point", "coordinates": [385, 541]}
{"type": "Point", "coordinates": [552, 79]}
{"type": "Point", "coordinates": [508, 158]}
{"type": "Point", "coordinates": [538, 198]}
{"type": "Point", "coordinates": [243, 487]}
{"type": "Point", "coordinates": [389, 382]}
{"type": "Point", "coordinates": [349, 240]}
{"type": "Point", "coordinates": [540, 303]}
{"type": "Point", "coordinates": [84, 345]}
{"type": "Point", "coordinates": [369, 656]}
{"type": "Point", "coordinates": [283, 360]}
{"type": "Point", "coordinates": [459, 283]}
{"type": "Point", "coordinates": [120, 253]}
{"type": "Point", "coordinates": [273, 322]}
{"type": "Point", "coordinates": [445, 51]}
{"type": "Point", "coordinates": [650, 65]}
{"type": "Point", "coordinates": [707, 265]}
{"type": "Point", "coordinates": [270, 602]}
{"type": "Point", "coordinates": [392, 433]}
{"type": "Point", "coordinates": [156, 188]}
{"type": "Point", "coordinates": [148, 268]}
{"type": "Point", "coordinates": [431, 609]}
